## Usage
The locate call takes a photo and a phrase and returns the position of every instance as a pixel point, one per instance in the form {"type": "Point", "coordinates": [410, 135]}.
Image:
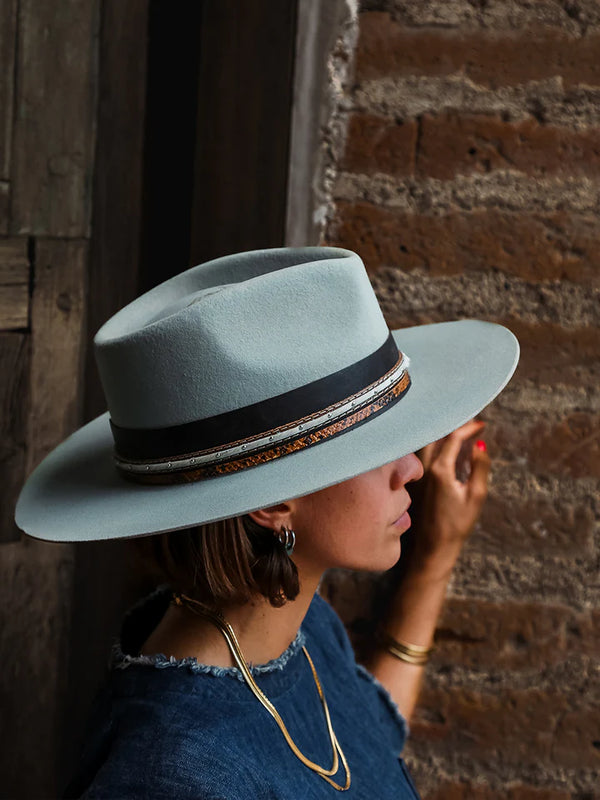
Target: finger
{"type": "Point", "coordinates": [480, 471]}
{"type": "Point", "coordinates": [428, 453]}
{"type": "Point", "coordinates": [452, 444]}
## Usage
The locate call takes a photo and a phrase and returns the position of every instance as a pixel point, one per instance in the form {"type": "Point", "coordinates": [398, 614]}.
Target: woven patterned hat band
{"type": "Point", "coordinates": [264, 431]}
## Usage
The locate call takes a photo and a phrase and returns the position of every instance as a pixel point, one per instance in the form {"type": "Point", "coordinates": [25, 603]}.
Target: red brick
{"type": "Point", "coordinates": [551, 354]}
{"type": "Point", "coordinates": [578, 739]}
{"type": "Point", "coordinates": [521, 728]}
{"type": "Point", "coordinates": [460, 791]}
{"type": "Point", "coordinates": [379, 144]}
{"type": "Point", "coordinates": [481, 634]}
{"type": "Point", "coordinates": [583, 634]}
{"type": "Point", "coordinates": [469, 723]}
{"type": "Point", "coordinates": [465, 790]}
{"type": "Point", "coordinates": [534, 525]}
{"type": "Point", "coordinates": [540, 247]}
{"type": "Point", "coordinates": [386, 48]}
{"type": "Point", "coordinates": [532, 793]}
{"type": "Point", "coordinates": [569, 447]}
{"type": "Point", "coordinates": [452, 144]}
{"type": "Point", "coordinates": [522, 792]}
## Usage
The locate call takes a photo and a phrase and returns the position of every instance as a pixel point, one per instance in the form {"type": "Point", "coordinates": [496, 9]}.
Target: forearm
{"type": "Point", "coordinates": [412, 618]}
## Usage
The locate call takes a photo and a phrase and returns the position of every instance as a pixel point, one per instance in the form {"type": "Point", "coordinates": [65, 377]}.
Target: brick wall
{"type": "Point", "coordinates": [470, 185]}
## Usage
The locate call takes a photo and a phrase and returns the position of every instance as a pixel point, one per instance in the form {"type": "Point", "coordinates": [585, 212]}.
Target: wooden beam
{"type": "Point", "coordinates": [14, 372]}
{"type": "Point", "coordinates": [36, 577]}
{"type": "Point", "coordinates": [53, 142]}
{"type": "Point", "coordinates": [14, 284]}
{"type": "Point", "coordinates": [57, 323]}
{"type": "Point", "coordinates": [4, 201]}
{"type": "Point", "coordinates": [34, 619]}
{"type": "Point", "coordinates": [116, 231]}
{"type": "Point", "coordinates": [8, 36]}
{"type": "Point", "coordinates": [247, 56]}
{"type": "Point", "coordinates": [113, 281]}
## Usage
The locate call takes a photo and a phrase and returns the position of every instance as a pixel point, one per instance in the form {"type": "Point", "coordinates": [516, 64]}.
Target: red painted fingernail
{"type": "Point", "coordinates": [481, 445]}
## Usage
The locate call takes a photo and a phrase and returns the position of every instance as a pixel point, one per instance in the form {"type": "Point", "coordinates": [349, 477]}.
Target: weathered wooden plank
{"type": "Point", "coordinates": [35, 589]}
{"type": "Point", "coordinates": [14, 284]}
{"type": "Point", "coordinates": [54, 120]}
{"type": "Point", "coordinates": [14, 261]}
{"type": "Point", "coordinates": [14, 362]}
{"type": "Point", "coordinates": [8, 36]}
{"type": "Point", "coordinates": [241, 170]}
{"type": "Point", "coordinates": [36, 577]}
{"type": "Point", "coordinates": [4, 201]}
{"type": "Point", "coordinates": [57, 321]}
{"type": "Point", "coordinates": [112, 282]}
{"type": "Point", "coordinates": [14, 307]}
{"type": "Point", "coordinates": [118, 180]}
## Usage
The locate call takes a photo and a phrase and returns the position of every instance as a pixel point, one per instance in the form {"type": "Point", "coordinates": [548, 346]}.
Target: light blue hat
{"type": "Point", "coordinates": [247, 381]}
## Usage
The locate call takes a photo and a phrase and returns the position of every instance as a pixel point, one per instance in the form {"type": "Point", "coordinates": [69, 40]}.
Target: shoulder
{"type": "Point", "coordinates": [178, 760]}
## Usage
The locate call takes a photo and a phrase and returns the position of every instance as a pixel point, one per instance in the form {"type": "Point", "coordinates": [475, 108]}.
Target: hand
{"type": "Point", "coordinates": [450, 508]}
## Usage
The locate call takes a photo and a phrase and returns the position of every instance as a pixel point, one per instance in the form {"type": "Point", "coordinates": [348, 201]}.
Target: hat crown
{"type": "Point", "coordinates": [236, 331]}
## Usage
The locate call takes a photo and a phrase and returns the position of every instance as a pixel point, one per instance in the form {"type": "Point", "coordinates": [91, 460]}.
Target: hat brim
{"type": "Point", "coordinates": [76, 493]}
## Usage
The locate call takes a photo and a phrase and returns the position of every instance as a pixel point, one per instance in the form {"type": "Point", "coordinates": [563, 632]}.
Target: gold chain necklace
{"type": "Point", "coordinates": [233, 644]}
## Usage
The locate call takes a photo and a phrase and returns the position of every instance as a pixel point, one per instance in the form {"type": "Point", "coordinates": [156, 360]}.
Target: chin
{"type": "Point", "coordinates": [383, 562]}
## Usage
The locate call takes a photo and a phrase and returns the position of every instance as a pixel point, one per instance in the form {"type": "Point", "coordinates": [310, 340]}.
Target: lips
{"type": "Point", "coordinates": [404, 516]}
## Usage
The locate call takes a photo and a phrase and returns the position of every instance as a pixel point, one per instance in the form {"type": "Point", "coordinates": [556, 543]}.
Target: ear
{"type": "Point", "coordinates": [273, 517]}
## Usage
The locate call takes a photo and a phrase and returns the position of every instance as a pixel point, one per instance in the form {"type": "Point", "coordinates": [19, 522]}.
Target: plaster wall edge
{"type": "Point", "coordinates": [327, 31]}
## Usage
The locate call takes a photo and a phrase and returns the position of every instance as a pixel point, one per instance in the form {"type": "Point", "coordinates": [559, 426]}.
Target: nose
{"type": "Point", "coordinates": [419, 469]}
{"type": "Point", "coordinates": [406, 469]}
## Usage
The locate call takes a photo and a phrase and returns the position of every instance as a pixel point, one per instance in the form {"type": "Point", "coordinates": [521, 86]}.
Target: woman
{"type": "Point", "coordinates": [263, 425]}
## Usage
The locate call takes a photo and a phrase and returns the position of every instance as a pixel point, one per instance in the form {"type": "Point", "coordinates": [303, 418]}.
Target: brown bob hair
{"type": "Point", "coordinates": [231, 561]}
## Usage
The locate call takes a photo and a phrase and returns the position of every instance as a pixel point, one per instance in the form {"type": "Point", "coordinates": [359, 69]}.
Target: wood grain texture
{"type": "Point", "coordinates": [35, 580]}
{"type": "Point", "coordinates": [14, 307]}
{"type": "Point", "coordinates": [14, 284]}
{"type": "Point", "coordinates": [113, 281]}
{"type": "Point", "coordinates": [4, 201]}
{"type": "Point", "coordinates": [54, 118]}
{"type": "Point", "coordinates": [241, 171]}
{"type": "Point", "coordinates": [8, 35]}
{"type": "Point", "coordinates": [57, 343]}
{"type": "Point", "coordinates": [14, 363]}
{"type": "Point", "coordinates": [117, 195]}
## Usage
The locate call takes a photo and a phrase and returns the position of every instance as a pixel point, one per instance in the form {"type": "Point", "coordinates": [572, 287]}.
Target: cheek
{"type": "Point", "coordinates": [346, 527]}
{"type": "Point", "coordinates": [344, 522]}
{"type": "Point", "coordinates": [340, 515]}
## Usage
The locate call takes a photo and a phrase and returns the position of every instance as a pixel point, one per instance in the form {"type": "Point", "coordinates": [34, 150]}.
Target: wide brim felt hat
{"type": "Point", "coordinates": [250, 380]}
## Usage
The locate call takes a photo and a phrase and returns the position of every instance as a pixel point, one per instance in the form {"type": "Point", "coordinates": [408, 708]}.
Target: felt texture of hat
{"type": "Point", "coordinates": [237, 331]}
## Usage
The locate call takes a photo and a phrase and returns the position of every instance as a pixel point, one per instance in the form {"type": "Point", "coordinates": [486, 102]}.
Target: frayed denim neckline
{"type": "Point", "coordinates": [121, 660]}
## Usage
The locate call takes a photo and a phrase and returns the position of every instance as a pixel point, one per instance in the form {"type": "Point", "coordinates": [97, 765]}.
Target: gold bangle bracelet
{"type": "Point", "coordinates": [410, 653]}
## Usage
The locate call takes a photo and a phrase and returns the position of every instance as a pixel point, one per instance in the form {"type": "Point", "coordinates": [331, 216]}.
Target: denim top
{"type": "Point", "coordinates": [173, 728]}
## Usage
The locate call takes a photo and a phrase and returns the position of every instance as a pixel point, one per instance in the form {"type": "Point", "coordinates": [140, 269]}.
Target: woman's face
{"type": "Point", "coordinates": [356, 524]}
